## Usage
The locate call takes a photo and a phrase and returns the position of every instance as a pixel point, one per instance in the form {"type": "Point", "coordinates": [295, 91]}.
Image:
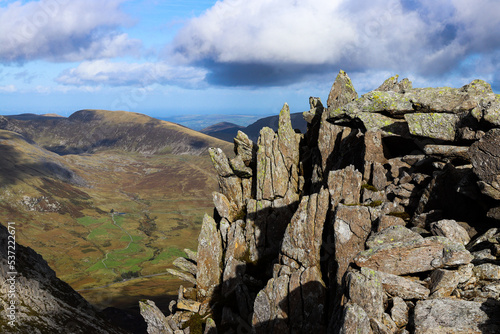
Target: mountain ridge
{"type": "Point", "coordinates": [89, 130]}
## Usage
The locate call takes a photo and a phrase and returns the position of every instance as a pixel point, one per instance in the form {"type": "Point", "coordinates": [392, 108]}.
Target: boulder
{"type": "Point", "coordinates": [443, 282]}
{"type": "Point", "coordinates": [345, 186]}
{"type": "Point", "coordinates": [433, 125]}
{"type": "Point", "coordinates": [365, 289]}
{"type": "Point", "coordinates": [355, 320]}
{"type": "Point", "coordinates": [485, 157]}
{"type": "Point", "coordinates": [487, 271]}
{"type": "Point", "coordinates": [398, 286]}
{"type": "Point", "coordinates": [450, 229]}
{"type": "Point", "coordinates": [392, 234]}
{"type": "Point", "coordinates": [399, 312]}
{"type": "Point", "coordinates": [446, 315]}
{"type": "Point", "coordinates": [416, 256]}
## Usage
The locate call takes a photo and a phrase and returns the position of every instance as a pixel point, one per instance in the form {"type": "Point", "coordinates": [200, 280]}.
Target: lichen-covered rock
{"type": "Point", "coordinates": [185, 265]}
{"type": "Point", "coordinates": [157, 323]}
{"type": "Point", "coordinates": [433, 125]}
{"type": "Point", "coordinates": [450, 229]}
{"type": "Point", "coordinates": [491, 112]}
{"type": "Point", "coordinates": [399, 312]}
{"type": "Point", "coordinates": [398, 286]}
{"type": "Point", "coordinates": [239, 168]}
{"type": "Point", "coordinates": [374, 102]}
{"type": "Point", "coordinates": [447, 151]}
{"type": "Point", "coordinates": [277, 161]}
{"type": "Point", "coordinates": [487, 271]}
{"type": "Point", "coordinates": [209, 257]}
{"type": "Point", "coordinates": [392, 234]}
{"type": "Point", "coordinates": [443, 282]}
{"type": "Point", "coordinates": [485, 157]}
{"type": "Point", "coordinates": [365, 289]}
{"type": "Point", "coordinates": [224, 207]}
{"type": "Point", "coordinates": [345, 186]}
{"type": "Point", "coordinates": [229, 183]}
{"type": "Point", "coordinates": [352, 225]}
{"type": "Point", "coordinates": [302, 239]}
{"type": "Point", "coordinates": [386, 221]}
{"type": "Point", "coordinates": [446, 315]}
{"type": "Point", "coordinates": [416, 256]}
{"type": "Point", "coordinates": [392, 85]}
{"type": "Point", "coordinates": [355, 320]}
{"type": "Point", "coordinates": [244, 148]}
{"type": "Point", "coordinates": [342, 91]}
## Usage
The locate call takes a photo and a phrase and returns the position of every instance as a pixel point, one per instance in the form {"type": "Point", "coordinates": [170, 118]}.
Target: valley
{"type": "Point", "coordinates": [110, 220]}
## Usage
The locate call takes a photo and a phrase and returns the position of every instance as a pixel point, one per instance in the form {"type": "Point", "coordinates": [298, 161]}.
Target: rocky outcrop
{"type": "Point", "coordinates": [380, 219]}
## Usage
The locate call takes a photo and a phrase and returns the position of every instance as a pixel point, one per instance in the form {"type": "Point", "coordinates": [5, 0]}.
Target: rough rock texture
{"type": "Point", "coordinates": [485, 157]}
{"type": "Point", "coordinates": [445, 315]}
{"type": "Point", "coordinates": [382, 218]}
{"type": "Point", "coordinates": [407, 257]}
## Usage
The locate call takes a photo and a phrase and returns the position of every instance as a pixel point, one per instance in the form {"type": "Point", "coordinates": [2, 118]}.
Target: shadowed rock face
{"type": "Point", "coordinates": [380, 219]}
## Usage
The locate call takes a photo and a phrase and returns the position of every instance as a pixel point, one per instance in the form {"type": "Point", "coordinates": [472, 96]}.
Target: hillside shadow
{"type": "Point", "coordinates": [14, 168]}
{"type": "Point", "coordinates": [10, 171]}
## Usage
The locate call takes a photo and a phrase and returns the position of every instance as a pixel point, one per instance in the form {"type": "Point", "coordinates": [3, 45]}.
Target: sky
{"type": "Point", "coordinates": [188, 57]}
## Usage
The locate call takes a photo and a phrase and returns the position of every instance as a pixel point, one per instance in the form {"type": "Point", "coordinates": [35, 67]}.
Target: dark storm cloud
{"type": "Point", "coordinates": [278, 42]}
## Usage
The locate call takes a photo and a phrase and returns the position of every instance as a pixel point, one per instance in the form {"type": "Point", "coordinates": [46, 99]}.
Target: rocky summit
{"type": "Point", "coordinates": [382, 218]}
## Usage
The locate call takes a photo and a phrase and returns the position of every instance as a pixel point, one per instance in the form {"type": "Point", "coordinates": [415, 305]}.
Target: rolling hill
{"type": "Point", "coordinates": [108, 198]}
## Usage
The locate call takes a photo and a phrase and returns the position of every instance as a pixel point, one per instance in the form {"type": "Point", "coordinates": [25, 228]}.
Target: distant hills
{"type": "Point", "coordinates": [90, 131]}
{"type": "Point", "coordinates": [227, 131]}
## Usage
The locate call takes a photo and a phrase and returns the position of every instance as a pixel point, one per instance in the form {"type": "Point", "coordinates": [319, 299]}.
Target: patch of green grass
{"type": "Point", "coordinates": [97, 266]}
{"type": "Point", "coordinates": [135, 238]}
{"type": "Point", "coordinates": [96, 233]}
{"type": "Point", "coordinates": [169, 254]}
{"type": "Point", "coordinates": [87, 221]}
{"type": "Point", "coordinates": [110, 226]}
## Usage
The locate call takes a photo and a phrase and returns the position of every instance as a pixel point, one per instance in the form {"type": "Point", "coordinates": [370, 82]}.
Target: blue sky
{"type": "Point", "coordinates": [165, 58]}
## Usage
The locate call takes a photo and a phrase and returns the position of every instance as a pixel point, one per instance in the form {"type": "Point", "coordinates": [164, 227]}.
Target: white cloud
{"type": "Point", "coordinates": [292, 38]}
{"type": "Point", "coordinates": [104, 72]}
{"type": "Point", "coordinates": [63, 30]}
{"type": "Point", "coordinates": [8, 89]}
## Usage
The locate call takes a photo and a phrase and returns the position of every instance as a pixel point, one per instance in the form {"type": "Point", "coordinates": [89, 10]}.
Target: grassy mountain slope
{"type": "Point", "coordinates": [62, 202]}
{"type": "Point", "coordinates": [89, 131]}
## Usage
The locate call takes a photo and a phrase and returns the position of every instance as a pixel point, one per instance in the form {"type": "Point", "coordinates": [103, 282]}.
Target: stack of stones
{"type": "Point", "coordinates": [382, 218]}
